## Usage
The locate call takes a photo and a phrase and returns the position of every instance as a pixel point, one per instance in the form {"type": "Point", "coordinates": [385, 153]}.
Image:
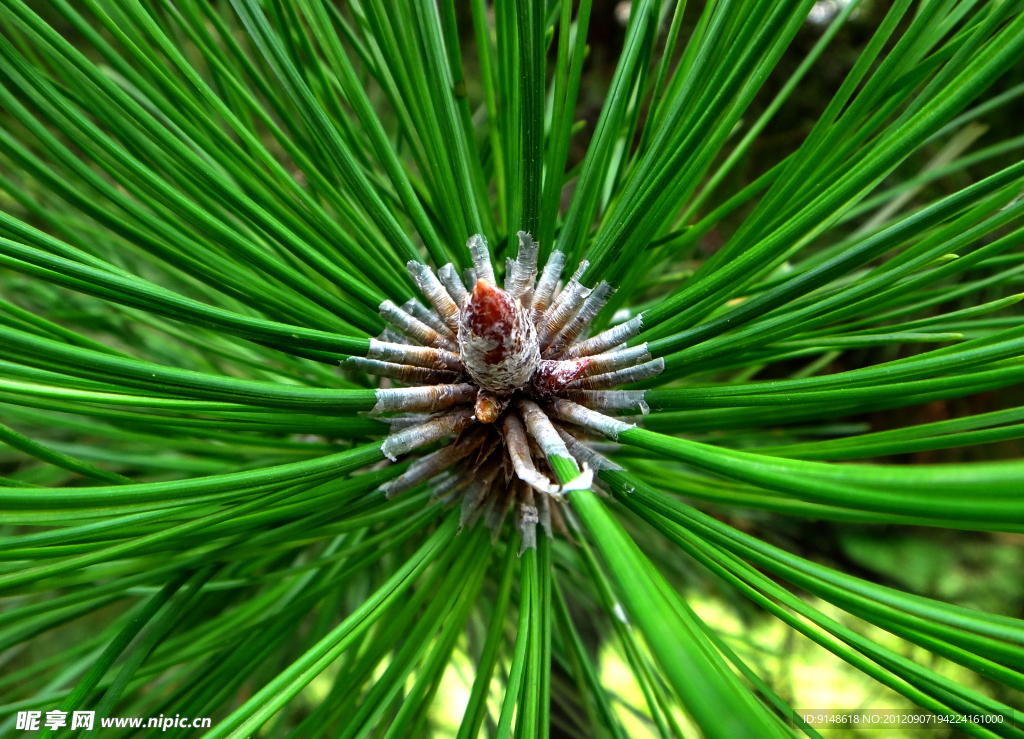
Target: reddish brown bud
{"type": "Point", "coordinates": [488, 407]}
{"type": "Point", "coordinates": [490, 314]}
{"type": "Point", "coordinates": [497, 340]}
{"type": "Point", "coordinates": [553, 375]}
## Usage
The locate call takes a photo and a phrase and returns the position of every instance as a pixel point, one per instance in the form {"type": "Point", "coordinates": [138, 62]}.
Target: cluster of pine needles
{"type": "Point", "coordinates": [227, 226]}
